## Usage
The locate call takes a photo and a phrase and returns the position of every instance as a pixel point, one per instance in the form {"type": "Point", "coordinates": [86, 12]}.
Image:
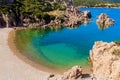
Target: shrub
{"type": "Point", "coordinates": [116, 52]}
{"type": "Point", "coordinates": [52, 17]}
{"type": "Point", "coordinates": [117, 42]}
{"type": "Point", "coordinates": [62, 8]}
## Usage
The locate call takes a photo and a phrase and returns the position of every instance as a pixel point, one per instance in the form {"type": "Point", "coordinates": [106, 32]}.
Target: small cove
{"type": "Point", "coordinates": [67, 47]}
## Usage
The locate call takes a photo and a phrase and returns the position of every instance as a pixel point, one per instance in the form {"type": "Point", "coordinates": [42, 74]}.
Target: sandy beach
{"type": "Point", "coordinates": [12, 67]}
{"type": "Point", "coordinates": [15, 66]}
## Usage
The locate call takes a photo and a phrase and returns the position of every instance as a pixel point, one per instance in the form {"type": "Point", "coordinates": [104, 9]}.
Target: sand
{"type": "Point", "coordinates": [12, 67]}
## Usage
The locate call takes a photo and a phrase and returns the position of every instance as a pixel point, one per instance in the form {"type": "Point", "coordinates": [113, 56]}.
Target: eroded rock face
{"type": "Point", "coordinates": [104, 21]}
{"type": "Point", "coordinates": [105, 58]}
{"type": "Point", "coordinates": [71, 18]}
{"type": "Point", "coordinates": [72, 74]}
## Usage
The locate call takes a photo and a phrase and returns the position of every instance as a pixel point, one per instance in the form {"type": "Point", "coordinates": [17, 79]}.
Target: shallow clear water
{"type": "Point", "coordinates": [67, 47]}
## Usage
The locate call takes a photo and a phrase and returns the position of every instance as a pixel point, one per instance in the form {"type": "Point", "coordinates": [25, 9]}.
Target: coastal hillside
{"type": "Point", "coordinates": [92, 3]}
{"type": "Point", "coordinates": [29, 13]}
{"type": "Point", "coordinates": [116, 1]}
{"type": "Point", "coordinates": [18, 12]}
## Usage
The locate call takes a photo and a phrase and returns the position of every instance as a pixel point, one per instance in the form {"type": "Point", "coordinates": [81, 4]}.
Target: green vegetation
{"type": "Point", "coordinates": [116, 52]}
{"type": "Point", "coordinates": [34, 10]}
{"type": "Point", "coordinates": [117, 42]}
{"type": "Point", "coordinates": [86, 2]}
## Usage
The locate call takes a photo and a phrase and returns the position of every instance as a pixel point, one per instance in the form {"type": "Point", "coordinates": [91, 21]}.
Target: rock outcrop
{"type": "Point", "coordinates": [104, 21]}
{"type": "Point", "coordinates": [74, 17]}
{"type": "Point", "coordinates": [7, 20]}
{"type": "Point", "coordinates": [72, 74]}
{"type": "Point", "coordinates": [71, 18]}
{"type": "Point", "coordinates": [105, 58]}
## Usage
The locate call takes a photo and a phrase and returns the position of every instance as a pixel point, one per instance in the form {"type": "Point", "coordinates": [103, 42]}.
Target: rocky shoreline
{"type": "Point", "coordinates": [71, 17]}
{"type": "Point", "coordinates": [105, 59]}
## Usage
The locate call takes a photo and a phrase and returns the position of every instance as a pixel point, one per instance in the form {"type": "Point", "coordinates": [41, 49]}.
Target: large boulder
{"type": "Point", "coordinates": [105, 58]}
{"type": "Point", "coordinates": [72, 74]}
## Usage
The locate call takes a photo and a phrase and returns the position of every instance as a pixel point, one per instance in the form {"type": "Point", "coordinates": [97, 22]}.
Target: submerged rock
{"type": "Point", "coordinates": [105, 58]}
{"type": "Point", "coordinates": [104, 21]}
{"type": "Point", "coordinates": [72, 74]}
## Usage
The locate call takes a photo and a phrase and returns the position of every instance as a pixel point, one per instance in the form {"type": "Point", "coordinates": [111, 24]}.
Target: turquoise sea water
{"type": "Point", "coordinates": [67, 47]}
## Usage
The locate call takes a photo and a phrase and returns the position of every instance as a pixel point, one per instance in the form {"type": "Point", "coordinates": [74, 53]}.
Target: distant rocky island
{"type": "Point", "coordinates": [104, 21]}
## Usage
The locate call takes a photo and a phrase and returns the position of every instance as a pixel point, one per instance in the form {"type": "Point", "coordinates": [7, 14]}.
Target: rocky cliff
{"type": "Point", "coordinates": [105, 58]}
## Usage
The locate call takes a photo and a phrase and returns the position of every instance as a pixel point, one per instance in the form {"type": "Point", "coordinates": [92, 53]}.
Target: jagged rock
{"type": "Point", "coordinates": [72, 74]}
{"type": "Point", "coordinates": [87, 14]}
{"type": "Point", "coordinates": [104, 21]}
{"type": "Point", "coordinates": [71, 17]}
{"type": "Point", "coordinates": [51, 77]}
{"type": "Point", "coordinates": [105, 58]}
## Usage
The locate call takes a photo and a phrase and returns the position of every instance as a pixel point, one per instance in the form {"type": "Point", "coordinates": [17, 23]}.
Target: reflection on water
{"type": "Point", "coordinates": [102, 26]}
